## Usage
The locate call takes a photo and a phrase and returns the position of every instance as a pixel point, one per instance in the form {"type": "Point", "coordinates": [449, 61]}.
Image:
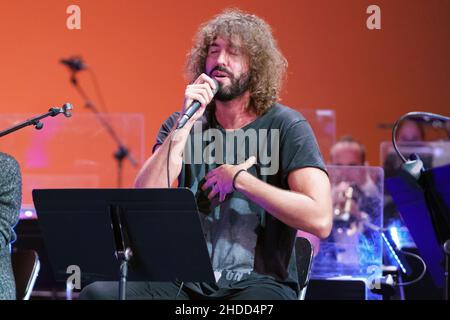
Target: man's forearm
{"type": "Point", "coordinates": [292, 208]}
{"type": "Point", "coordinates": [153, 173]}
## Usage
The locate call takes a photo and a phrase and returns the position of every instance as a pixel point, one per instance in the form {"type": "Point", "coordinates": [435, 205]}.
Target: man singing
{"type": "Point", "coordinates": [253, 165]}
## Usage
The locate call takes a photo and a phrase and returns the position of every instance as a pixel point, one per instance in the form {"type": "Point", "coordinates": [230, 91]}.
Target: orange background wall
{"type": "Point", "coordinates": [137, 49]}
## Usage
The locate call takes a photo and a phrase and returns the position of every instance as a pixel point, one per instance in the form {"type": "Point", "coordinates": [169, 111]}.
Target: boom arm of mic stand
{"type": "Point", "coordinates": [36, 121]}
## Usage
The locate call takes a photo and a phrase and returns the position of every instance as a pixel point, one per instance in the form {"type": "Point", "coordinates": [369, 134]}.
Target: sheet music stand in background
{"type": "Point", "coordinates": [425, 207]}
{"type": "Point", "coordinates": [95, 229]}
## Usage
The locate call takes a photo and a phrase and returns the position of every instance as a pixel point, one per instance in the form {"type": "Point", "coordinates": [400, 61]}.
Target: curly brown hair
{"type": "Point", "coordinates": [267, 64]}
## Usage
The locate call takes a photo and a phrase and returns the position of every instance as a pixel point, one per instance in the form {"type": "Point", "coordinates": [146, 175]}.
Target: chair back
{"type": "Point", "coordinates": [26, 267]}
{"type": "Point", "coordinates": [304, 253]}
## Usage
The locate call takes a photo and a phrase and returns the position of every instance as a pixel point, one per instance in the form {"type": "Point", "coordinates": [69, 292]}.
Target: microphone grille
{"type": "Point", "coordinates": [217, 86]}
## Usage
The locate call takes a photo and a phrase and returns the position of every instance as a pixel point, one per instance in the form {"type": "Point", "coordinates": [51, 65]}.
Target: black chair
{"type": "Point", "coordinates": [26, 265]}
{"type": "Point", "coordinates": [304, 253]}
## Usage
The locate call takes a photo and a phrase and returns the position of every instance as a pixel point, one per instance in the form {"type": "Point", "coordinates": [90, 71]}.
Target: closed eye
{"type": "Point", "coordinates": [213, 49]}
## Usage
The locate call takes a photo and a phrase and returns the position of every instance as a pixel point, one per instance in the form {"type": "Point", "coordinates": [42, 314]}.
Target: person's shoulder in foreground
{"type": "Point", "coordinates": [10, 200]}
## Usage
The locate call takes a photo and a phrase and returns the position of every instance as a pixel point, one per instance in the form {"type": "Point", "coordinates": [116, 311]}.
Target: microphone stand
{"type": "Point", "coordinates": [36, 121]}
{"type": "Point", "coordinates": [122, 152]}
{"type": "Point", "coordinates": [437, 208]}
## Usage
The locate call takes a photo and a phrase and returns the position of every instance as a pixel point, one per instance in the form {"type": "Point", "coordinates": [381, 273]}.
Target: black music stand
{"type": "Point", "coordinates": [424, 204]}
{"type": "Point", "coordinates": [131, 234]}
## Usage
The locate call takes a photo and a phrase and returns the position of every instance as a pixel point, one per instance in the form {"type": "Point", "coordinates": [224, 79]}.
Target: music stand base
{"type": "Point", "coordinates": [123, 280]}
{"type": "Point", "coordinates": [446, 272]}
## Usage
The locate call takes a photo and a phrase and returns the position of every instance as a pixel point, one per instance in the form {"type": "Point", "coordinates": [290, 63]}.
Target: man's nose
{"type": "Point", "coordinates": [222, 58]}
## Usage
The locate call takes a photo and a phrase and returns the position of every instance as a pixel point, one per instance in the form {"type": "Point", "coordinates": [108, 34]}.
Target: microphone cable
{"type": "Point", "coordinates": [171, 137]}
{"type": "Point", "coordinates": [408, 115]}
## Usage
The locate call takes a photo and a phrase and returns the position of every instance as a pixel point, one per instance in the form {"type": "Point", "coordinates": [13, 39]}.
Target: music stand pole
{"type": "Point", "coordinates": [447, 269]}
{"type": "Point", "coordinates": [123, 246]}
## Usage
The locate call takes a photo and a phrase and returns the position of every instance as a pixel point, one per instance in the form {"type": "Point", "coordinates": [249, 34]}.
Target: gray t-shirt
{"type": "Point", "coordinates": [241, 236]}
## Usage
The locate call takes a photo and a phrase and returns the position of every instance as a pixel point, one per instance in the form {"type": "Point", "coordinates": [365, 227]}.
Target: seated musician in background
{"type": "Point", "coordinates": [355, 196]}
{"type": "Point", "coordinates": [349, 152]}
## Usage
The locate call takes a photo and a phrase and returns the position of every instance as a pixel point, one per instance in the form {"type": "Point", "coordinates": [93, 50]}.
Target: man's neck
{"type": "Point", "coordinates": [234, 114]}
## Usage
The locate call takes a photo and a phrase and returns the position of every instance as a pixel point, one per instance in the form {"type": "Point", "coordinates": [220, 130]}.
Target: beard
{"type": "Point", "coordinates": [236, 87]}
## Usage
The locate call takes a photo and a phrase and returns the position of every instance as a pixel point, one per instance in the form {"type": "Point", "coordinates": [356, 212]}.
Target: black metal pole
{"type": "Point", "coordinates": [123, 279]}
{"type": "Point", "coordinates": [447, 270]}
{"type": "Point", "coordinates": [36, 120]}
{"type": "Point", "coordinates": [122, 152]}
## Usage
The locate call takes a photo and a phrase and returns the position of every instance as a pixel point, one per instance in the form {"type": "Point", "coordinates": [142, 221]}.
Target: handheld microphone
{"type": "Point", "coordinates": [74, 63]}
{"type": "Point", "coordinates": [195, 105]}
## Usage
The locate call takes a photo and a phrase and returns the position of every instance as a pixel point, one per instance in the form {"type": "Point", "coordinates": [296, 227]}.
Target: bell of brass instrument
{"type": "Point", "coordinates": [344, 213]}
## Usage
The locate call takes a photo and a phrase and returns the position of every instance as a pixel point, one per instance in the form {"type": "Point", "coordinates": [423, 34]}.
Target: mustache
{"type": "Point", "coordinates": [222, 69]}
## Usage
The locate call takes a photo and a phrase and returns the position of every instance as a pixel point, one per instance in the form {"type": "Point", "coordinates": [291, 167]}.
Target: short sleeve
{"type": "Point", "coordinates": [165, 129]}
{"type": "Point", "coordinates": [299, 148]}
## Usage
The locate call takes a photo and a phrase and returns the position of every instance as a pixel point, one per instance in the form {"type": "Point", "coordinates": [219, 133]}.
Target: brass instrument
{"type": "Point", "coordinates": [344, 214]}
